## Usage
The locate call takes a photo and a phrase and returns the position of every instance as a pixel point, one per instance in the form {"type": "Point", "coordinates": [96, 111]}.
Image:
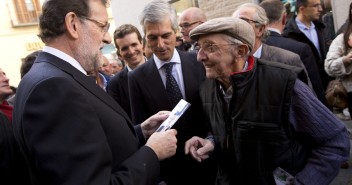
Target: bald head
{"type": "Point", "coordinates": [194, 13]}
{"type": "Point", "coordinates": [189, 19]}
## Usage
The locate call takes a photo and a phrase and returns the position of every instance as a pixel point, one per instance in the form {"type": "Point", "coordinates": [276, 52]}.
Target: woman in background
{"type": "Point", "coordinates": [338, 62]}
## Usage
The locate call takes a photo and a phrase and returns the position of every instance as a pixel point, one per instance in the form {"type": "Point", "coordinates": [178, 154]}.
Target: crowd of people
{"type": "Point", "coordinates": [255, 81]}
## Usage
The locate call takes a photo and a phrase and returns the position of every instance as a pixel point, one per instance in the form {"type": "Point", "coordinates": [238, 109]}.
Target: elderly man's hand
{"type": "Point", "coordinates": [199, 148]}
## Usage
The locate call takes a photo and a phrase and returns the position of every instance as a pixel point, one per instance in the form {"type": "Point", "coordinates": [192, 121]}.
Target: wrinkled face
{"type": "Point", "coordinates": [187, 23]}
{"type": "Point", "coordinates": [161, 39]}
{"type": "Point", "coordinates": [217, 56]}
{"type": "Point", "coordinates": [131, 50]}
{"type": "Point", "coordinates": [248, 14]}
{"type": "Point", "coordinates": [115, 67]}
{"type": "Point", "coordinates": [106, 67]}
{"type": "Point", "coordinates": [312, 10]}
{"type": "Point", "coordinates": [92, 37]}
{"type": "Point", "coordinates": [5, 89]}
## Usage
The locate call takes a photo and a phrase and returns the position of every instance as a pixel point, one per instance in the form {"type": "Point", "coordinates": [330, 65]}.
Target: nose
{"type": "Point", "coordinates": [201, 55]}
{"type": "Point", "coordinates": [107, 38]}
{"type": "Point", "coordinates": [5, 79]}
{"type": "Point", "coordinates": [160, 42]}
{"type": "Point", "coordinates": [130, 50]}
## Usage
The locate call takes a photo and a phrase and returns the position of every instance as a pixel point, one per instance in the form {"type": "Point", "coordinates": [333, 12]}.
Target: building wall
{"type": "Point", "coordinates": [15, 43]}
{"type": "Point", "coordinates": [219, 8]}
{"type": "Point", "coordinates": [340, 12]}
{"type": "Point", "coordinates": [18, 42]}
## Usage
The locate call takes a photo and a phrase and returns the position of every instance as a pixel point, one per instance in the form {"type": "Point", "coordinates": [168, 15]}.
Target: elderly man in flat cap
{"type": "Point", "coordinates": [266, 125]}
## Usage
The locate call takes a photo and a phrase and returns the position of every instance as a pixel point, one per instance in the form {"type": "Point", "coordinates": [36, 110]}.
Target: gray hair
{"type": "Point", "coordinates": [156, 12]}
{"type": "Point", "coordinates": [260, 16]}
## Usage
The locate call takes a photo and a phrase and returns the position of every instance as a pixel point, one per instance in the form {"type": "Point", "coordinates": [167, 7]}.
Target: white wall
{"type": "Point", "coordinates": [127, 13]}
{"type": "Point", "coordinates": [340, 12]}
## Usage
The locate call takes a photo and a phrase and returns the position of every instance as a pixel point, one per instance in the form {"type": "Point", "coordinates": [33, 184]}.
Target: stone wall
{"type": "Point", "coordinates": [219, 8]}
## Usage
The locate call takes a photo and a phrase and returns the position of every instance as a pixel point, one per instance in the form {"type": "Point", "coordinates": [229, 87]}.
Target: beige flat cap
{"type": "Point", "coordinates": [231, 26]}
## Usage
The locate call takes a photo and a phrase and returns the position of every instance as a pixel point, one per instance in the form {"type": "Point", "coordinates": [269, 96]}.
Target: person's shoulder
{"type": "Point", "coordinates": [187, 55]}
{"type": "Point", "coordinates": [284, 53]}
{"type": "Point", "coordinates": [290, 27]}
{"type": "Point", "coordinates": [318, 24]}
{"type": "Point", "coordinates": [119, 76]}
{"type": "Point", "coordinates": [146, 67]}
{"type": "Point", "coordinates": [276, 64]}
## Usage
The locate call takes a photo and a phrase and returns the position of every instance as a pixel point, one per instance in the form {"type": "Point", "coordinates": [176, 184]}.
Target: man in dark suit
{"type": "Point", "coordinates": [148, 91]}
{"type": "Point", "coordinates": [306, 28]}
{"type": "Point", "coordinates": [276, 14]}
{"type": "Point", "coordinates": [71, 131]}
{"type": "Point", "coordinates": [128, 41]}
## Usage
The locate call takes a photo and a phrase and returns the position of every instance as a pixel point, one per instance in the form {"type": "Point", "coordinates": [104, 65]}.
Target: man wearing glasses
{"type": "Point", "coordinates": [263, 119]}
{"type": "Point", "coordinates": [306, 28]}
{"type": "Point", "coordinates": [71, 131]}
{"type": "Point", "coordinates": [189, 19]}
{"type": "Point", "coordinates": [256, 17]}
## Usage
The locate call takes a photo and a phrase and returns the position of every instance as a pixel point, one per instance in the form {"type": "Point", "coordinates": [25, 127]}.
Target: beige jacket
{"type": "Point", "coordinates": [334, 65]}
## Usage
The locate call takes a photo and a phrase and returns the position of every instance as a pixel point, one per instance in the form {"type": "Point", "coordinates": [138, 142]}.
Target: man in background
{"type": "Point", "coordinates": [276, 14]}
{"type": "Point", "coordinates": [128, 41]}
{"type": "Point", "coordinates": [305, 27]}
{"type": "Point", "coordinates": [188, 20]}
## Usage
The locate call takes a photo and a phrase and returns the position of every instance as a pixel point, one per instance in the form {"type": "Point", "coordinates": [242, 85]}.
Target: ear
{"type": "Point", "coordinates": [71, 23]}
{"type": "Point", "coordinates": [284, 16]}
{"type": "Point", "coordinates": [242, 50]}
{"type": "Point", "coordinates": [261, 30]}
{"type": "Point", "coordinates": [300, 9]}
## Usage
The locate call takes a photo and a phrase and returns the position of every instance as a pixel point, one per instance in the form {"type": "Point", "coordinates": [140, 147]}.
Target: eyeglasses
{"type": "Point", "coordinates": [249, 20]}
{"type": "Point", "coordinates": [209, 47]}
{"type": "Point", "coordinates": [315, 6]}
{"type": "Point", "coordinates": [104, 26]}
{"type": "Point", "coordinates": [187, 25]}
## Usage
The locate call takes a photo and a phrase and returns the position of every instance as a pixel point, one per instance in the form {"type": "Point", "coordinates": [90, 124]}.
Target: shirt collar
{"type": "Point", "coordinates": [175, 58]}
{"type": "Point", "coordinates": [302, 26]}
{"type": "Point", "coordinates": [258, 53]}
{"type": "Point", "coordinates": [64, 57]}
{"type": "Point", "coordinates": [274, 30]}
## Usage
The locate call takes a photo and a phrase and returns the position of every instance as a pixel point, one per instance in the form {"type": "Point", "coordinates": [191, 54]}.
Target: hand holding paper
{"type": "Point", "coordinates": [175, 114]}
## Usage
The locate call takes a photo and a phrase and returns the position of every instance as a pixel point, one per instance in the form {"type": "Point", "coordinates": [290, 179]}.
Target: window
{"type": "Point", "coordinates": [25, 12]}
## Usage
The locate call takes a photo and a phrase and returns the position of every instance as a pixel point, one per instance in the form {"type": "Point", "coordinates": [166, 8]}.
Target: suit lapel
{"type": "Point", "coordinates": [124, 82]}
{"type": "Point", "coordinates": [156, 87]}
{"type": "Point", "coordinates": [87, 83]}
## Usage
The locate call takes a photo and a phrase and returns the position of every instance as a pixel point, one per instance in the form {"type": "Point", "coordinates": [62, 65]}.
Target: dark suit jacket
{"type": "Point", "coordinates": [72, 132]}
{"type": "Point", "coordinates": [306, 55]}
{"type": "Point", "coordinates": [148, 96]}
{"type": "Point", "coordinates": [118, 89]}
{"type": "Point", "coordinates": [292, 31]}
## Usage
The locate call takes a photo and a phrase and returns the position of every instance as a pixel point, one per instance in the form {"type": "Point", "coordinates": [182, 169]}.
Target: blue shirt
{"type": "Point", "coordinates": [310, 33]}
